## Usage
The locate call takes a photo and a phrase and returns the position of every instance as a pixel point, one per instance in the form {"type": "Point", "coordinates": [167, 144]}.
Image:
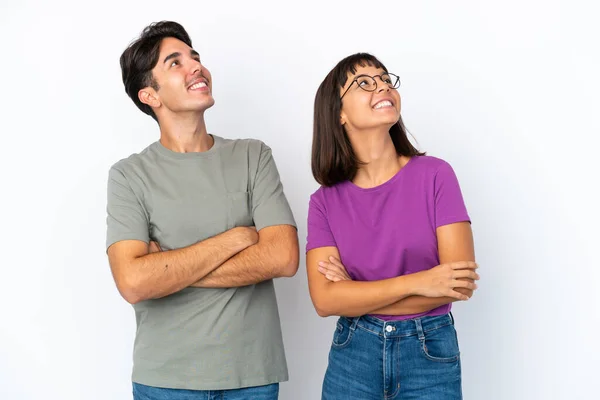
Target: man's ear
{"type": "Point", "coordinates": [149, 96]}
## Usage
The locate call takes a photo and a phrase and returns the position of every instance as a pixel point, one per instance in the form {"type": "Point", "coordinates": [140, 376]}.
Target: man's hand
{"type": "Point", "coordinates": [334, 270]}
{"type": "Point", "coordinates": [153, 247]}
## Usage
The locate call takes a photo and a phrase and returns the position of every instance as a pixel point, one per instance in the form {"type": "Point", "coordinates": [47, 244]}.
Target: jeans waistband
{"type": "Point", "coordinates": [409, 327]}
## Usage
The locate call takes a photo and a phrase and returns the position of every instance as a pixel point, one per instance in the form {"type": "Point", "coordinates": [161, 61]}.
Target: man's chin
{"type": "Point", "coordinates": [206, 105]}
{"type": "Point", "coordinates": [201, 107]}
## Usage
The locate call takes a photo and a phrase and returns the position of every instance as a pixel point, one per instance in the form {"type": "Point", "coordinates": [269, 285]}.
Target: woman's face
{"type": "Point", "coordinates": [362, 109]}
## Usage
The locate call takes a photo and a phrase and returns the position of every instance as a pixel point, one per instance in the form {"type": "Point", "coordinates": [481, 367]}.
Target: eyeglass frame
{"type": "Point", "coordinates": [396, 85]}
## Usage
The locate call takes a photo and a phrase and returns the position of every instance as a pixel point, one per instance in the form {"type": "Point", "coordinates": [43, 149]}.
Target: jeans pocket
{"type": "Point", "coordinates": [441, 344]}
{"type": "Point", "coordinates": [342, 335]}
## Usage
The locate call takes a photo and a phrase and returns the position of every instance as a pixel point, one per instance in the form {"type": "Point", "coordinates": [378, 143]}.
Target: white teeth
{"type": "Point", "coordinates": [198, 85]}
{"type": "Point", "coordinates": [382, 104]}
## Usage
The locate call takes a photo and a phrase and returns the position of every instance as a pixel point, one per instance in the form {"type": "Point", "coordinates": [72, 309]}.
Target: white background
{"type": "Point", "coordinates": [506, 91]}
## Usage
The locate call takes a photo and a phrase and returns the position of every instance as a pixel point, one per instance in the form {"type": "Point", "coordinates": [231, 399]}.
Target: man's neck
{"type": "Point", "coordinates": [185, 134]}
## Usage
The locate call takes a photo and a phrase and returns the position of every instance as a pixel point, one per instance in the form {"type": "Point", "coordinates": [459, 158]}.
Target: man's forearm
{"type": "Point", "coordinates": [275, 255]}
{"type": "Point", "coordinates": [162, 273]}
{"type": "Point", "coordinates": [248, 267]}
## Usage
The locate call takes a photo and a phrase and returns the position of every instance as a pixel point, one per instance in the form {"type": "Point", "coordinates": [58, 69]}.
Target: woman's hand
{"type": "Point", "coordinates": [441, 281]}
{"type": "Point", "coordinates": [334, 270]}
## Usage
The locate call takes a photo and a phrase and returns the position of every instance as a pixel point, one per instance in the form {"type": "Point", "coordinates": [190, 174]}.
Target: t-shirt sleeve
{"type": "Point", "coordinates": [269, 204]}
{"type": "Point", "coordinates": [319, 232]}
{"type": "Point", "coordinates": [449, 204]}
{"type": "Point", "coordinates": [126, 218]}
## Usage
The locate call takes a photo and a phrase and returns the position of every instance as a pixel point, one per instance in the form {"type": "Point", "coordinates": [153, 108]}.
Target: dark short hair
{"type": "Point", "coordinates": [333, 160]}
{"type": "Point", "coordinates": [141, 56]}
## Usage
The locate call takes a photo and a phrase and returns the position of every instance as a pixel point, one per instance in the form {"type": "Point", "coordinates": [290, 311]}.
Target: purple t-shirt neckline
{"type": "Point", "coordinates": [390, 229]}
{"type": "Point", "coordinates": [352, 186]}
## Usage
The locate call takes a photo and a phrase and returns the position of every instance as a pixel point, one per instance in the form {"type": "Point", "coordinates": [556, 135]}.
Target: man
{"type": "Point", "coordinates": [198, 227]}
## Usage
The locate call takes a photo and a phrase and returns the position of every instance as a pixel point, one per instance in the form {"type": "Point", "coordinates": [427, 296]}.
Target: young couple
{"type": "Point", "coordinates": [198, 227]}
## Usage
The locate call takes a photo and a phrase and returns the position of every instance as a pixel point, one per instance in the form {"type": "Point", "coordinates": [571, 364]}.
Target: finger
{"type": "Point", "coordinates": [323, 264]}
{"type": "Point", "coordinates": [328, 269]}
{"type": "Point", "coordinates": [332, 270]}
{"type": "Point", "coordinates": [338, 270]}
{"type": "Point", "coordinates": [464, 284]}
{"type": "Point", "coordinates": [333, 277]}
{"type": "Point", "coordinates": [336, 261]}
{"type": "Point", "coordinates": [333, 267]}
{"type": "Point", "coordinates": [333, 274]}
{"type": "Point", "coordinates": [464, 265]}
{"type": "Point", "coordinates": [466, 273]}
{"type": "Point", "coordinates": [457, 295]}
{"type": "Point", "coordinates": [343, 277]}
{"type": "Point", "coordinates": [464, 291]}
{"type": "Point", "coordinates": [153, 247]}
{"type": "Point", "coordinates": [337, 264]}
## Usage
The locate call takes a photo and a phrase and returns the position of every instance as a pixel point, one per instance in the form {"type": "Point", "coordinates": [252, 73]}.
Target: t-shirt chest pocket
{"type": "Point", "coordinates": [239, 209]}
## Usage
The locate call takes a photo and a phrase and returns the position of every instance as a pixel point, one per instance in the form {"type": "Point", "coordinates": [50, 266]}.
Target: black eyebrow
{"type": "Point", "coordinates": [170, 56]}
{"type": "Point", "coordinates": [177, 54]}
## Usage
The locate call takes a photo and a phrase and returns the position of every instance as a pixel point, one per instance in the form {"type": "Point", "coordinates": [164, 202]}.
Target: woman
{"type": "Point", "coordinates": [389, 246]}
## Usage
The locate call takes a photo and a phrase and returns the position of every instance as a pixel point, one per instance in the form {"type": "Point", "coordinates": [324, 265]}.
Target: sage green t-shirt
{"type": "Point", "coordinates": [202, 339]}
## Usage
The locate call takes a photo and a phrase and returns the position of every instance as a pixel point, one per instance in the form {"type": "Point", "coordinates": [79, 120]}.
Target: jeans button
{"type": "Point", "coordinates": [389, 328]}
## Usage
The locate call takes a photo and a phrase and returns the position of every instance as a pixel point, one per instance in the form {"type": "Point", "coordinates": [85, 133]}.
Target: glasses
{"type": "Point", "coordinates": [368, 83]}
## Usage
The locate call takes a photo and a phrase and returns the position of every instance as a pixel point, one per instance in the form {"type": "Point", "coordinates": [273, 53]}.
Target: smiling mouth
{"type": "Point", "coordinates": [198, 85]}
{"type": "Point", "coordinates": [383, 104]}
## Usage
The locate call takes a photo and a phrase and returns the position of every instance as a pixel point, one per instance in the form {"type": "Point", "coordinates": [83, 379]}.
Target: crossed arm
{"type": "Point", "coordinates": [238, 257]}
{"type": "Point", "coordinates": [334, 293]}
{"type": "Point", "coordinates": [455, 243]}
{"type": "Point", "coordinates": [275, 255]}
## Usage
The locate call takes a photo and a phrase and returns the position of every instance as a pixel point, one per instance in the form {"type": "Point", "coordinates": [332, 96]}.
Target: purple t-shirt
{"type": "Point", "coordinates": [388, 230]}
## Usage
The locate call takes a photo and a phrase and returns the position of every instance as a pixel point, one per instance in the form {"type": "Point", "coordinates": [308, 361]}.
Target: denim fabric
{"type": "Point", "coordinates": [143, 392]}
{"type": "Point", "coordinates": [411, 359]}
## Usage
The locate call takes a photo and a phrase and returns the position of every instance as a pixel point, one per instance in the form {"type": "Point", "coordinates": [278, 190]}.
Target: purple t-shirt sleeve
{"type": "Point", "coordinates": [319, 232]}
{"type": "Point", "coordinates": [449, 204]}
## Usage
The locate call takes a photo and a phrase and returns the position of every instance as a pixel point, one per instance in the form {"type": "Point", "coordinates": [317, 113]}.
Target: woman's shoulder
{"type": "Point", "coordinates": [429, 161]}
{"type": "Point", "coordinates": [430, 164]}
{"type": "Point", "coordinates": [325, 194]}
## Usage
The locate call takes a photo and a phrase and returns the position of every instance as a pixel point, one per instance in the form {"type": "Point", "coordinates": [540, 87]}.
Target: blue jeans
{"type": "Point", "coordinates": [143, 392]}
{"type": "Point", "coordinates": [413, 359]}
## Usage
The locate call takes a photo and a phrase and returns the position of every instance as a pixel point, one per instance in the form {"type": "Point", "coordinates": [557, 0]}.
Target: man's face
{"type": "Point", "coordinates": [184, 84]}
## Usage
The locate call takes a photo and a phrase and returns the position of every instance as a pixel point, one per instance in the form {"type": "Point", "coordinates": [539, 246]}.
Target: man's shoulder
{"type": "Point", "coordinates": [242, 143]}
{"type": "Point", "coordinates": [246, 148]}
{"type": "Point", "coordinates": [132, 161]}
